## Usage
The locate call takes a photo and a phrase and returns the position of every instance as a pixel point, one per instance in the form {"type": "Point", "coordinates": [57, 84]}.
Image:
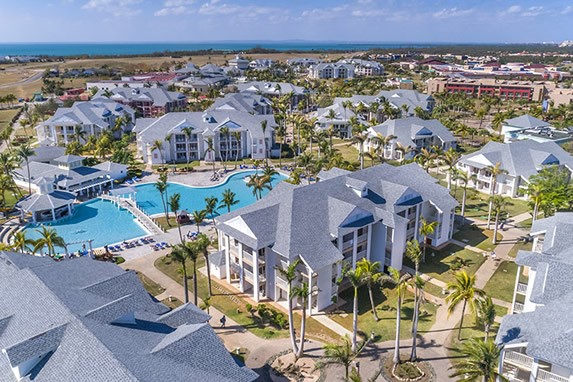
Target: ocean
{"type": "Point", "coordinates": [112, 49]}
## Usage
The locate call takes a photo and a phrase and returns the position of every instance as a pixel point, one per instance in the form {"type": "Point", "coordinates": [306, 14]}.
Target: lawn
{"type": "Point", "coordinates": [385, 300]}
{"type": "Point", "coordinates": [502, 283]}
{"type": "Point", "coordinates": [433, 289]}
{"type": "Point", "coordinates": [520, 246]}
{"type": "Point", "coordinates": [525, 224]}
{"type": "Point", "coordinates": [150, 286]}
{"type": "Point", "coordinates": [172, 302]}
{"type": "Point", "coordinates": [476, 237]}
{"type": "Point", "coordinates": [235, 307]}
{"type": "Point", "coordinates": [477, 204]}
{"type": "Point", "coordinates": [469, 330]}
{"type": "Point", "coordinates": [437, 263]}
{"type": "Point", "coordinates": [6, 117]}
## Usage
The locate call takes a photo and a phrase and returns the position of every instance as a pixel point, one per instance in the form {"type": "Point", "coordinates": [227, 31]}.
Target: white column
{"type": "Point", "coordinates": [417, 228]}
{"type": "Point", "coordinates": [241, 265]}
{"type": "Point", "coordinates": [53, 214]}
{"type": "Point", "coordinates": [354, 248]}
{"type": "Point", "coordinates": [515, 289]}
{"type": "Point", "coordinates": [369, 242]}
{"type": "Point", "coordinates": [309, 307]}
{"type": "Point", "coordinates": [227, 258]}
{"type": "Point", "coordinates": [255, 275]}
{"type": "Point", "coordinates": [534, 370]}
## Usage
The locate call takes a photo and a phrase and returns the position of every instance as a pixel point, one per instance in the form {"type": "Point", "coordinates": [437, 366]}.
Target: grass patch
{"type": "Point", "coordinates": [433, 289]}
{"type": "Point", "coordinates": [438, 263]}
{"type": "Point", "coordinates": [520, 246]}
{"type": "Point", "coordinates": [385, 300]}
{"type": "Point", "coordinates": [525, 224]}
{"type": "Point", "coordinates": [150, 286]}
{"type": "Point", "coordinates": [6, 117]}
{"type": "Point", "coordinates": [477, 204]}
{"type": "Point", "coordinates": [469, 330]}
{"type": "Point", "coordinates": [502, 283]}
{"type": "Point", "coordinates": [476, 237]}
{"type": "Point", "coordinates": [235, 307]}
{"type": "Point", "coordinates": [501, 311]}
{"type": "Point", "coordinates": [172, 302]}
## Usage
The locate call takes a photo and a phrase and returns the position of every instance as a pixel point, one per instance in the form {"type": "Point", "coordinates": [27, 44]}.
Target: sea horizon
{"type": "Point", "coordinates": [133, 48]}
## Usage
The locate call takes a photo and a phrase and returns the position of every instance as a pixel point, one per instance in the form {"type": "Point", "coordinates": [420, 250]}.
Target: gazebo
{"type": "Point", "coordinates": [47, 205]}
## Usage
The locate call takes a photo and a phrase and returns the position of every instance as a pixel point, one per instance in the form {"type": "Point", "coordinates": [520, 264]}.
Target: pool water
{"type": "Point", "coordinates": [97, 219]}
{"type": "Point", "coordinates": [193, 198]}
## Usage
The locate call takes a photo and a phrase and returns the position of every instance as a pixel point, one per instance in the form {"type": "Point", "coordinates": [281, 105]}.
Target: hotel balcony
{"type": "Point", "coordinates": [280, 282]}
{"type": "Point", "coordinates": [518, 307]}
{"type": "Point", "coordinates": [523, 361]}
{"type": "Point", "coordinates": [521, 288]}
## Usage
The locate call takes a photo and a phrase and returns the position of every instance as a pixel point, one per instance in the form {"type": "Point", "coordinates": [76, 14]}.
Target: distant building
{"type": "Point", "coordinates": [536, 338]}
{"type": "Point", "coordinates": [331, 70]}
{"type": "Point", "coordinates": [149, 102]}
{"type": "Point", "coordinates": [239, 63]}
{"type": "Point", "coordinates": [364, 67]}
{"type": "Point", "coordinates": [520, 160]}
{"type": "Point", "coordinates": [86, 118]}
{"type": "Point", "coordinates": [502, 88]}
{"type": "Point", "coordinates": [275, 89]}
{"type": "Point", "coordinates": [528, 127]}
{"type": "Point", "coordinates": [246, 102]}
{"type": "Point", "coordinates": [86, 320]}
{"type": "Point", "coordinates": [182, 147]}
{"type": "Point", "coordinates": [337, 118]}
{"type": "Point", "coordinates": [261, 63]}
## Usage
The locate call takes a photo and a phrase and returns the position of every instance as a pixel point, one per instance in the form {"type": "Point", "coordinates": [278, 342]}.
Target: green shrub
{"type": "Point", "coordinates": [407, 370]}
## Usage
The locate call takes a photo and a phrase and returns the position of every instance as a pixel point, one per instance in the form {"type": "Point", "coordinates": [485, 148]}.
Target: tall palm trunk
{"type": "Point", "coordinates": [29, 177]}
{"type": "Point", "coordinates": [195, 282]}
{"type": "Point", "coordinates": [495, 228]}
{"type": "Point", "coordinates": [355, 320]}
{"type": "Point", "coordinates": [413, 354]}
{"type": "Point", "coordinates": [209, 290]}
{"type": "Point", "coordinates": [185, 282]}
{"type": "Point", "coordinates": [397, 341]}
{"type": "Point", "coordinates": [372, 303]}
{"type": "Point", "coordinates": [535, 211]}
{"type": "Point", "coordinates": [302, 331]}
{"type": "Point", "coordinates": [291, 321]}
{"type": "Point", "coordinates": [464, 203]}
{"type": "Point", "coordinates": [462, 321]}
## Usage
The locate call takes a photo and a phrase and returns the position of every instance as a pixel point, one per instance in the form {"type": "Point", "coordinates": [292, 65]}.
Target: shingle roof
{"type": "Point", "coordinates": [410, 98]}
{"type": "Point", "coordinates": [407, 129]}
{"type": "Point", "coordinates": [271, 88]}
{"type": "Point", "coordinates": [520, 158]}
{"type": "Point", "coordinates": [526, 121]}
{"type": "Point", "coordinates": [92, 112]}
{"type": "Point", "coordinates": [42, 202]}
{"type": "Point", "coordinates": [245, 102]}
{"type": "Point", "coordinates": [48, 307]}
{"type": "Point", "coordinates": [301, 221]}
{"type": "Point", "coordinates": [159, 96]}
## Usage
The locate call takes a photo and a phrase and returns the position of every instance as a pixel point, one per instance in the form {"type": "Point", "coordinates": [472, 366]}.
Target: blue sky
{"type": "Point", "coordinates": [336, 20]}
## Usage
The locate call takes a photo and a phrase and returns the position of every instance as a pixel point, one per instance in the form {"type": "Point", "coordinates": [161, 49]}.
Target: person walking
{"type": "Point", "coordinates": [223, 321]}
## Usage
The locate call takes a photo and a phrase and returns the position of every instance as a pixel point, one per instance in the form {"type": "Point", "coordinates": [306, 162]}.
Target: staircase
{"type": "Point", "coordinates": [141, 216]}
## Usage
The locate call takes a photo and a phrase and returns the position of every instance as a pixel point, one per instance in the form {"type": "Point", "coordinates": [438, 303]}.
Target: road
{"type": "Point", "coordinates": [33, 78]}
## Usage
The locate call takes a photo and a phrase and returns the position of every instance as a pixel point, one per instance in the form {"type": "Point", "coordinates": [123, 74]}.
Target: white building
{"type": "Point", "coordinates": [342, 219]}
{"type": "Point", "coordinates": [331, 70]}
{"type": "Point", "coordinates": [179, 147]}
{"type": "Point", "coordinates": [536, 338]}
{"type": "Point", "coordinates": [528, 127]}
{"type": "Point", "coordinates": [519, 159]}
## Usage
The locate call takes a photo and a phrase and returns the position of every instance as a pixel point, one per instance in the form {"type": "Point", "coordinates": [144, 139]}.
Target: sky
{"type": "Point", "coordinates": [469, 21]}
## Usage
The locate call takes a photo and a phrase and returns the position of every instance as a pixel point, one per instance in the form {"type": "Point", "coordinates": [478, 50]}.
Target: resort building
{"type": "Point", "coordinates": [528, 127]}
{"type": "Point", "coordinates": [47, 204]}
{"type": "Point", "coordinates": [66, 173]}
{"type": "Point", "coordinates": [303, 61]}
{"type": "Point", "coordinates": [503, 88]}
{"type": "Point", "coordinates": [86, 320]}
{"type": "Point", "coordinates": [343, 218]}
{"type": "Point", "coordinates": [537, 337]}
{"type": "Point", "coordinates": [239, 63]}
{"type": "Point", "coordinates": [85, 119]}
{"type": "Point", "coordinates": [331, 70]}
{"type": "Point", "coordinates": [411, 135]}
{"type": "Point", "coordinates": [337, 118]}
{"type": "Point", "coordinates": [275, 89]}
{"type": "Point", "coordinates": [184, 136]}
{"type": "Point", "coordinates": [261, 64]}
{"type": "Point", "coordinates": [407, 100]}
{"type": "Point", "coordinates": [364, 67]}
{"type": "Point", "coordinates": [246, 102]}
{"type": "Point", "coordinates": [149, 102]}
{"type": "Point", "coordinates": [519, 159]}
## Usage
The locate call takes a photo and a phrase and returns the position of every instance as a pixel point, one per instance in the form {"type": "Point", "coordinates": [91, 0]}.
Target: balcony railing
{"type": "Point", "coordinates": [248, 275]}
{"type": "Point", "coordinates": [517, 307]}
{"type": "Point", "coordinates": [521, 288]}
{"type": "Point", "coordinates": [281, 282]}
{"type": "Point", "coordinates": [547, 376]}
{"type": "Point", "coordinates": [518, 359]}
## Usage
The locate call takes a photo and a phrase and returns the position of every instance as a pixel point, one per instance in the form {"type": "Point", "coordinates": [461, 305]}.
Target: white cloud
{"type": "Point", "coordinates": [513, 9]}
{"type": "Point", "coordinates": [533, 11]}
{"type": "Point", "coordinates": [568, 9]}
{"type": "Point", "coordinates": [175, 7]}
{"type": "Point", "coordinates": [370, 12]}
{"type": "Point", "coordinates": [324, 13]}
{"type": "Point", "coordinates": [115, 7]}
{"type": "Point", "coordinates": [452, 12]}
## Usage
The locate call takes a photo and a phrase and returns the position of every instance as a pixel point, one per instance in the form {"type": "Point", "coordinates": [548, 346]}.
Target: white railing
{"type": "Point", "coordinates": [248, 257]}
{"type": "Point", "coordinates": [518, 359]}
{"type": "Point", "coordinates": [547, 376]}
{"type": "Point", "coordinates": [521, 288]}
{"type": "Point", "coordinates": [518, 307]}
{"type": "Point", "coordinates": [281, 282]}
{"type": "Point", "coordinates": [248, 275]}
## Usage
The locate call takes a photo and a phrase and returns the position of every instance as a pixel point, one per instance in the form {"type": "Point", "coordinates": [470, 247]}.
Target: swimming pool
{"type": "Point", "coordinates": [97, 219]}
{"type": "Point", "coordinates": [193, 198]}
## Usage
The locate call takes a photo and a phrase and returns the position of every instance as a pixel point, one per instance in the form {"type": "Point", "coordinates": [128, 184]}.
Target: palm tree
{"type": "Point", "coordinates": [225, 132]}
{"type": "Point", "coordinates": [404, 150]}
{"type": "Point", "coordinates": [158, 145]}
{"type": "Point", "coordinates": [228, 199]}
{"type": "Point", "coordinates": [188, 131]}
{"type": "Point", "coordinates": [419, 285]}
{"type": "Point", "coordinates": [24, 153]}
{"type": "Point", "coordinates": [414, 253]}
{"type": "Point", "coordinates": [22, 243]}
{"type": "Point", "coordinates": [478, 362]}
{"type": "Point", "coordinates": [211, 208]}
{"type": "Point", "coordinates": [401, 282]}
{"type": "Point", "coordinates": [536, 194]}
{"type": "Point", "coordinates": [426, 228]}
{"type": "Point", "coordinates": [264, 123]}
{"type": "Point", "coordinates": [258, 184]}
{"type": "Point", "coordinates": [161, 186]}
{"type": "Point", "coordinates": [180, 255]}
{"type": "Point", "coordinates": [462, 289]}
{"type": "Point", "coordinates": [210, 149]}
{"type": "Point", "coordinates": [199, 217]}
{"type": "Point", "coordinates": [269, 173]}
{"type": "Point", "coordinates": [485, 314]}
{"type": "Point", "coordinates": [356, 280]}
{"type": "Point", "coordinates": [359, 139]}
{"type": "Point", "coordinates": [382, 142]}
{"type": "Point", "coordinates": [237, 136]}
{"type": "Point", "coordinates": [302, 292]}
{"type": "Point", "coordinates": [290, 274]}
{"type": "Point", "coordinates": [495, 171]}
{"type": "Point", "coordinates": [371, 275]}
{"type": "Point", "coordinates": [425, 158]}
{"type": "Point", "coordinates": [202, 243]}
{"type": "Point", "coordinates": [49, 239]}
{"type": "Point", "coordinates": [450, 159]}
{"type": "Point", "coordinates": [499, 206]}
{"type": "Point", "coordinates": [464, 178]}
{"type": "Point", "coordinates": [339, 354]}
{"type": "Point", "coordinates": [174, 204]}
{"type": "Point", "coordinates": [192, 250]}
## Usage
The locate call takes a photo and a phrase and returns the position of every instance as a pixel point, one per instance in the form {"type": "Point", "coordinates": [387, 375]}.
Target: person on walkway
{"type": "Point", "coordinates": [493, 256]}
{"type": "Point", "coordinates": [223, 321]}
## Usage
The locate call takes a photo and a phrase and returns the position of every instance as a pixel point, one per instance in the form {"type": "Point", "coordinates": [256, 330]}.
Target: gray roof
{"type": "Point", "coordinates": [159, 96]}
{"type": "Point", "coordinates": [520, 158]}
{"type": "Point", "coordinates": [407, 129]}
{"type": "Point", "coordinates": [410, 98]}
{"type": "Point", "coordinates": [342, 115]}
{"type": "Point", "coordinates": [111, 166]}
{"type": "Point", "coordinates": [301, 221]}
{"type": "Point", "coordinates": [527, 122]}
{"type": "Point", "coordinates": [48, 308]}
{"type": "Point", "coordinates": [270, 88]}
{"type": "Point", "coordinates": [245, 102]}
{"type": "Point", "coordinates": [94, 112]}
{"type": "Point", "coordinates": [63, 177]}
{"type": "Point", "coordinates": [204, 122]}
{"type": "Point", "coordinates": [47, 154]}
{"type": "Point", "coordinates": [69, 159]}
{"type": "Point", "coordinates": [43, 202]}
